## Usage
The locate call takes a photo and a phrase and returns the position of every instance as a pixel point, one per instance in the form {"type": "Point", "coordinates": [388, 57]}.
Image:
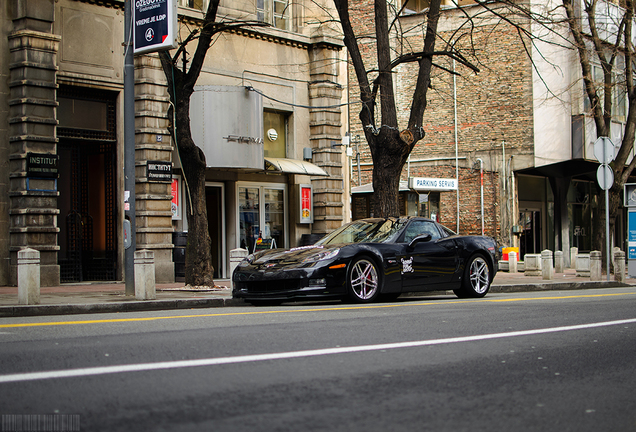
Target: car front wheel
{"type": "Point", "coordinates": [476, 280]}
{"type": "Point", "coordinates": [363, 280]}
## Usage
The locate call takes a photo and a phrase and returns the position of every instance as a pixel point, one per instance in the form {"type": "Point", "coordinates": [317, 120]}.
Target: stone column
{"type": "Point", "coordinates": [145, 288]}
{"type": "Point", "coordinates": [595, 266]}
{"type": "Point", "coordinates": [559, 265]}
{"type": "Point", "coordinates": [547, 271]}
{"type": "Point", "coordinates": [574, 251]}
{"type": "Point", "coordinates": [153, 143]}
{"type": "Point", "coordinates": [28, 277]}
{"type": "Point", "coordinates": [325, 129]}
{"type": "Point", "coordinates": [619, 266]}
{"type": "Point", "coordinates": [512, 262]}
{"type": "Point", "coordinates": [32, 131]}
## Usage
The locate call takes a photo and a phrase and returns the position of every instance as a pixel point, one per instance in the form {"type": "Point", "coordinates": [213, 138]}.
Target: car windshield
{"type": "Point", "coordinates": [365, 231]}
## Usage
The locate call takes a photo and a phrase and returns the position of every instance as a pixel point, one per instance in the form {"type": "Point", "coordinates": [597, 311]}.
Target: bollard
{"type": "Point", "coordinates": [547, 271]}
{"type": "Point", "coordinates": [145, 275]}
{"type": "Point", "coordinates": [532, 265]}
{"type": "Point", "coordinates": [236, 256]}
{"type": "Point", "coordinates": [595, 266]}
{"type": "Point", "coordinates": [28, 277]}
{"type": "Point", "coordinates": [583, 265]}
{"type": "Point", "coordinates": [574, 252]}
{"type": "Point", "coordinates": [512, 262]}
{"type": "Point", "coordinates": [619, 266]}
{"type": "Point", "coordinates": [558, 262]}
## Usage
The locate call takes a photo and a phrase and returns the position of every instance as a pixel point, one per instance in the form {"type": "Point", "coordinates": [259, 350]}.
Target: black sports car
{"type": "Point", "coordinates": [368, 259]}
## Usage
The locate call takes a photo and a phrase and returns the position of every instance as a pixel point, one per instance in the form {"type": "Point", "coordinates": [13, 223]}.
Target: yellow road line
{"type": "Point", "coordinates": [285, 311]}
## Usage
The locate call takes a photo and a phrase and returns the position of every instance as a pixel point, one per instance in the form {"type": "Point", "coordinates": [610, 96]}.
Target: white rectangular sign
{"type": "Point", "coordinates": [432, 184]}
{"type": "Point", "coordinates": [155, 25]}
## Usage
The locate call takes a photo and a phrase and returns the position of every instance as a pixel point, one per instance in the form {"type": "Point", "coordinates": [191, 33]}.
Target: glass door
{"type": "Point", "coordinates": [249, 220]}
{"type": "Point", "coordinates": [274, 227]}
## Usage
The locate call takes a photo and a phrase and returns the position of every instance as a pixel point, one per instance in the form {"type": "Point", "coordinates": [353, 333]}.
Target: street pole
{"type": "Point", "coordinates": [607, 231]}
{"type": "Point", "coordinates": [129, 148]}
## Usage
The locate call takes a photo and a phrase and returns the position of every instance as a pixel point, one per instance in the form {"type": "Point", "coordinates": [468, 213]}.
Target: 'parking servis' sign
{"type": "Point", "coordinates": [155, 24]}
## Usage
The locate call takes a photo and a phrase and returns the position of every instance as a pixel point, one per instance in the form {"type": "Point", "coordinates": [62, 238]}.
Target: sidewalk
{"type": "Point", "coordinates": [110, 297]}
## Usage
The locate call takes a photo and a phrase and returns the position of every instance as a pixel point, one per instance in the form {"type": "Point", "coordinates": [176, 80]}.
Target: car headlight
{"type": "Point", "coordinates": [322, 255]}
{"type": "Point", "coordinates": [246, 261]}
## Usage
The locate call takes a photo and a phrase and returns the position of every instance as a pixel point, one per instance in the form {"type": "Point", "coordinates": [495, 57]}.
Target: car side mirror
{"type": "Point", "coordinates": [419, 239]}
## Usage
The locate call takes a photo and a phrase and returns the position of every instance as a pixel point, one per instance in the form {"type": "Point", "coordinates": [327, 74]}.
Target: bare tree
{"type": "Point", "coordinates": [614, 51]}
{"type": "Point", "coordinates": [389, 144]}
{"type": "Point", "coordinates": [181, 81]}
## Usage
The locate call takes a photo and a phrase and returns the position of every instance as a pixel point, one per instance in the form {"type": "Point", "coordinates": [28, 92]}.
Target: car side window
{"type": "Point", "coordinates": [417, 228]}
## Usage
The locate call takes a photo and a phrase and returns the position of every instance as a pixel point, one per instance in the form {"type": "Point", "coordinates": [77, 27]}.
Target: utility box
{"type": "Point", "coordinates": [227, 124]}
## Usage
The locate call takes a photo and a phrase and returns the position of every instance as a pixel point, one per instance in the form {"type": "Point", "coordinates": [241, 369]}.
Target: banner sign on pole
{"type": "Point", "coordinates": [306, 201]}
{"type": "Point", "coordinates": [155, 25]}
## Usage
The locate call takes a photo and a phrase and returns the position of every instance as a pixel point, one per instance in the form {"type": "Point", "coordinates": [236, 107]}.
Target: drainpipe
{"type": "Point", "coordinates": [456, 143]}
{"type": "Point", "coordinates": [481, 176]}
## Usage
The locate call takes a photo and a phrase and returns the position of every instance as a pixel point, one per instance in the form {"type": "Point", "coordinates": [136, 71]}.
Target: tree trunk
{"type": "Point", "coordinates": [198, 267]}
{"type": "Point", "coordinates": [389, 154]}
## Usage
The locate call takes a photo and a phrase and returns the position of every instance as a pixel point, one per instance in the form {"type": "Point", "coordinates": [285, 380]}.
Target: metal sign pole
{"type": "Point", "coordinates": [129, 149]}
{"type": "Point", "coordinates": [604, 152]}
{"type": "Point", "coordinates": [607, 231]}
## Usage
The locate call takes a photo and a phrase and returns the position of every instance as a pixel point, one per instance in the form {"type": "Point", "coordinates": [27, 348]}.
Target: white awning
{"type": "Point", "coordinates": [293, 166]}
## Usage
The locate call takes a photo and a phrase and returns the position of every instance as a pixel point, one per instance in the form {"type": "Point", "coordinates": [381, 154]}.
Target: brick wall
{"type": "Point", "coordinates": [493, 106]}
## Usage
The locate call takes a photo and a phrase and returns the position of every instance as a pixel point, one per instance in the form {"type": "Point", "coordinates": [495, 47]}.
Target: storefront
{"type": "Point", "coordinates": [253, 191]}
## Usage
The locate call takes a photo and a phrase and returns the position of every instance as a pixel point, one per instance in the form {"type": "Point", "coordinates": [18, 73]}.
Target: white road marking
{"type": "Point", "coordinates": [92, 371]}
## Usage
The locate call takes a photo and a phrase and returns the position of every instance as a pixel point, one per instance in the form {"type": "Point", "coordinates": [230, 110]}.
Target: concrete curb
{"type": "Point", "coordinates": [116, 307]}
{"type": "Point", "coordinates": [177, 304]}
{"type": "Point", "coordinates": [555, 286]}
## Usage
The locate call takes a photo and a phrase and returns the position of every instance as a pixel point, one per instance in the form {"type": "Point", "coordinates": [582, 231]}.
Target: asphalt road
{"type": "Point", "coordinates": [551, 361]}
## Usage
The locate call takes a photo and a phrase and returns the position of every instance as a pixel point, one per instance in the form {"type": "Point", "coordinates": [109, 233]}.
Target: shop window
{"type": "Point", "coordinates": [274, 12]}
{"type": "Point", "coordinates": [266, 221]}
{"type": "Point", "coordinates": [275, 134]}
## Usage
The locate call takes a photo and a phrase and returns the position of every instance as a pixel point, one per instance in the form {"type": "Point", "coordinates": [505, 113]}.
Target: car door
{"type": "Point", "coordinates": [428, 262]}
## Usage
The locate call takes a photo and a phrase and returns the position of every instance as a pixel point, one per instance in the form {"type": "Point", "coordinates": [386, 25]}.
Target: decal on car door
{"type": "Point", "coordinates": [407, 265]}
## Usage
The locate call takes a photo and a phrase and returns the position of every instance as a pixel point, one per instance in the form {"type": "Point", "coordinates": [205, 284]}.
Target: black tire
{"type": "Point", "coordinates": [364, 281]}
{"type": "Point", "coordinates": [477, 278]}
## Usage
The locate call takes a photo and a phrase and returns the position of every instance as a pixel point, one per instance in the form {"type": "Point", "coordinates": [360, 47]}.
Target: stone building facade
{"type": "Point", "coordinates": [61, 101]}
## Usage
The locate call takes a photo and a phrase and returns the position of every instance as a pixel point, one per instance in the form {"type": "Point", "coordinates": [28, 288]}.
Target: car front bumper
{"type": "Point", "coordinates": [250, 283]}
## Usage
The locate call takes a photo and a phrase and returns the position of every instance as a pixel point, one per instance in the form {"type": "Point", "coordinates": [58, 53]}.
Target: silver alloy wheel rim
{"type": "Point", "coordinates": [479, 275]}
{"type": "Point", "coordinates": [364, 279]}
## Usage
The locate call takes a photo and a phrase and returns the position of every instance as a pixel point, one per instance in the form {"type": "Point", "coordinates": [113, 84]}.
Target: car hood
{"type": "Point", "coordinates": [285, 256]}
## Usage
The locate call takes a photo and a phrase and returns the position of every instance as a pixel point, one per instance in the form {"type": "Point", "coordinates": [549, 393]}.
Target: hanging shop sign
{"type": "Point", "coordinates": [159, 171]}
{"type": "Point", "coordinates": [306, 203]}
{"type": "Point", "coordinates": [155, 25]}
{"type": "Point", "coordinates": [42, 165]}
{"type": "Point", "coordinates": [176, 197]}
{"type": "Point", "coordinates": [432, 184]}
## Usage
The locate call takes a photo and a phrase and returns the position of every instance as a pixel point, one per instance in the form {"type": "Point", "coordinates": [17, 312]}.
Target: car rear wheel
{"type": "Point", "coordinates": [476, 280]}
{"type": "Point", "coordinates": [363, 280]}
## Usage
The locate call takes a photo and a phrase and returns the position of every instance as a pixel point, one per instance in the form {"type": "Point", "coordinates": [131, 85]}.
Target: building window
{"type": "Point", "coordinates": [274, 12]}
{"type": "Point", "coordinates": [417, 6]}
{"type": "Point", "coordinates": [275, 134]}
{"type": "Point", "coordinates": [619, 92]}
{"type": "Point", "coordinates": [201, 5]}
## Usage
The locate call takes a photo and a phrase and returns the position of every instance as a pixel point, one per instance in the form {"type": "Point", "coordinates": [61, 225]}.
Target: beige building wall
{"type": "Point", "coordinates": [300, 70]}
